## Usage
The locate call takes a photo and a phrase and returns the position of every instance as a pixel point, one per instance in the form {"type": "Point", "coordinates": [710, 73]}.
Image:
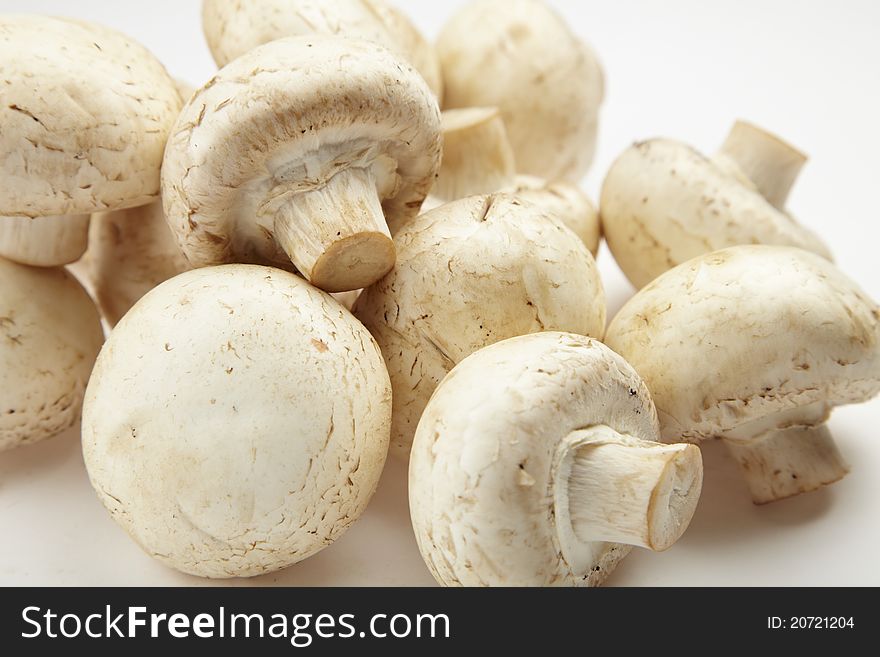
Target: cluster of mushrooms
{"type": "Point", "coordinates": [238, 415]}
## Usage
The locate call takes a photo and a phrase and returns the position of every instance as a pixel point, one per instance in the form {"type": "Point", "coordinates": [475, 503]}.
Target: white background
{"type": "Point", "coordinates": [809, 71]}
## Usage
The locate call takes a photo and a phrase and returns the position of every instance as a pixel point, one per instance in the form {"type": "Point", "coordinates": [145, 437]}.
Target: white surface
{"type": "Point", "coordinates": [683, 69]}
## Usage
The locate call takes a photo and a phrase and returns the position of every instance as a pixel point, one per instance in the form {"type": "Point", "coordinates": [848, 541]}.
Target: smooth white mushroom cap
{"type": "Point", "coordinates": [565, 200]}
{"type": "Point", "coordinates": [745, 332]}
{"type": "Point", "coordinates": [274, 129]}
{"type": "Point", "coordinates": [85, 111]}
{"type": "Point", "coordinates": [520, 56]}
{"type": "Point", "coordinates": [50, 334]}
{"type": "Point", "coordinates": [488, 487]}
{"type": "Point", "coordinates": [233, 27]}
{"type": "Point", "coordinates": [663, 203]}
{"type": "Point", "coordinates": [236, 421]}
{"type": "Point", "coordinates": [470, 273]}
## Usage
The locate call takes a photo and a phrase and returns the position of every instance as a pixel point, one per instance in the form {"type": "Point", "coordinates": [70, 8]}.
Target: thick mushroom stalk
{"type": "Point", "coordinates": [477, 156]}
{"type": "Point", "coordinates": [336, 235]}
{"type": "Point", "coordinates": [781, 457]}
{"type": "Point", "coordinates": [770, 163]}
{"type": "Point", "coordinates": [44, 241]}
{"type": "Point", "coordinates": [623, 489]}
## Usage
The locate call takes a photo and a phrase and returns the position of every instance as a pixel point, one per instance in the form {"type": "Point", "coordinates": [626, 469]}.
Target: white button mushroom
{"type": "Point", "coordinates": [236, 421]}
{"type": "Point", "coordinates": [85, 114]}
{"type": "Point", "coordinates": [520, 56]}
{"type": "Point", "coordinates": [50, 334]}
{"type": "Point", "coordinates": [478, 159]}
{"type": "Point", "coordinates": [536, 463]}
{"type": "Point", "coordinates": [233, 27]}
{"type": "Point", "coordinates": [292, 153]}
{"type": "Point", "coordinates": [470, 273]}
{"type": "Point", "coordinates": [663, 203]}
{"type": "Point", "coordinates": [130, 252]}
{"type": "Point", "coordinates": [565, 201]}
{"type": "Point", "coordinates": [755, 344]}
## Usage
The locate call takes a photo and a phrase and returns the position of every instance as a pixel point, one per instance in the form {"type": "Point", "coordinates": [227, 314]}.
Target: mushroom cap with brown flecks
{"type": "Point", "coordinates": [733, 336]}
{"type": "Point", "coordinates": [85, 112]}
{"type": "Point", "coordinates": [520, 56]}
{"type": "Point", "coordinates": [488, 504]}
{"type": "Point", "coordinates": [233, 27]}
{"type": "Point", "coordinates": [663, 203]}
{"type": "Point", "coordinates": [50, 334]}
{"type": "Point", "coordinates": [237, 421]}
{"type": "Point", "coordinates": [470, 273]}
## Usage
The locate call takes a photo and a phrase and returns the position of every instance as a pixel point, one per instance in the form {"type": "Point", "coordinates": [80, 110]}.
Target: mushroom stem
{"type": "Point", "coordinates": [44, 241]}
{"type": "Point", "coordinates": [765, 159]}
{"type": "Point", "coordinates": [625, 490]}
{"type": "Point", "coordinates": [336, 235]}
{"type": "Point", "coordinates": [785, 462]}
{"type": "Point", "coordinates": [477, 156]}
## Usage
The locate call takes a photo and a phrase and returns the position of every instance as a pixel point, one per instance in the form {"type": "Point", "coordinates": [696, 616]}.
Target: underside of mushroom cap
{"type": "Point", "coordinates": [50, 334]}
{"type": "Point", "coordinates": [233, 27]}
{"type": "Point", "coordinates": [470, 273]}
{"type": "Point", "coordinates": [663, 203]}
{"type": "Point", "coordinates": [86, 112]}
{"type": "Point", "coordinates": [285, 119]}
{"type": "Point", "coordinates": [482, 477]}
{"type": "Point", "coordinates": [236, 421]}
{"type": "Point", "coordinates": [747, 332]}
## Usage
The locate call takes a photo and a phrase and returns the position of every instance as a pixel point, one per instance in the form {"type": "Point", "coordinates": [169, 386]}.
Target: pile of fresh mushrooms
{"type": "Point", "coordinates": [351, 241]}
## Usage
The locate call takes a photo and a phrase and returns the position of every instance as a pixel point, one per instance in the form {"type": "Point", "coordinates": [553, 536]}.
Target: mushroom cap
{"type": "Point", "coordinates": [486, 456]}
{"type": "Point", "coordinates": [50, 334]}
{"type": "Point", "coordinates": [567, 201]}
{"type": "Point", "coordinates": [252, 135]}
{"type": "Point", "coordinates": [663, 203]}
{"type": "Point", "coordinates": [520, 56]}
{"type": "Point", "coordinates": [236, 421]}
{"type": "Point", "coordinates": [470, 273]}
{"type": "Point", "coordinates": [736, 335]}
{"type": "Point", "coordinates": [130, 252]}
{"type": "Point", "coordinates": [85, 113]}
{"type": "Point", "coordinates": [233, 27]}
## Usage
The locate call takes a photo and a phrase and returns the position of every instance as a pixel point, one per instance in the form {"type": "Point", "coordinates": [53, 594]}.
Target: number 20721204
{"type": "Point", "coordinates": [810, 623]}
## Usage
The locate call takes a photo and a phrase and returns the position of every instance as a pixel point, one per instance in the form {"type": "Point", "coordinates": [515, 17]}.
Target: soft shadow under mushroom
{"type": "Point", "coordinates": [41, 459]}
